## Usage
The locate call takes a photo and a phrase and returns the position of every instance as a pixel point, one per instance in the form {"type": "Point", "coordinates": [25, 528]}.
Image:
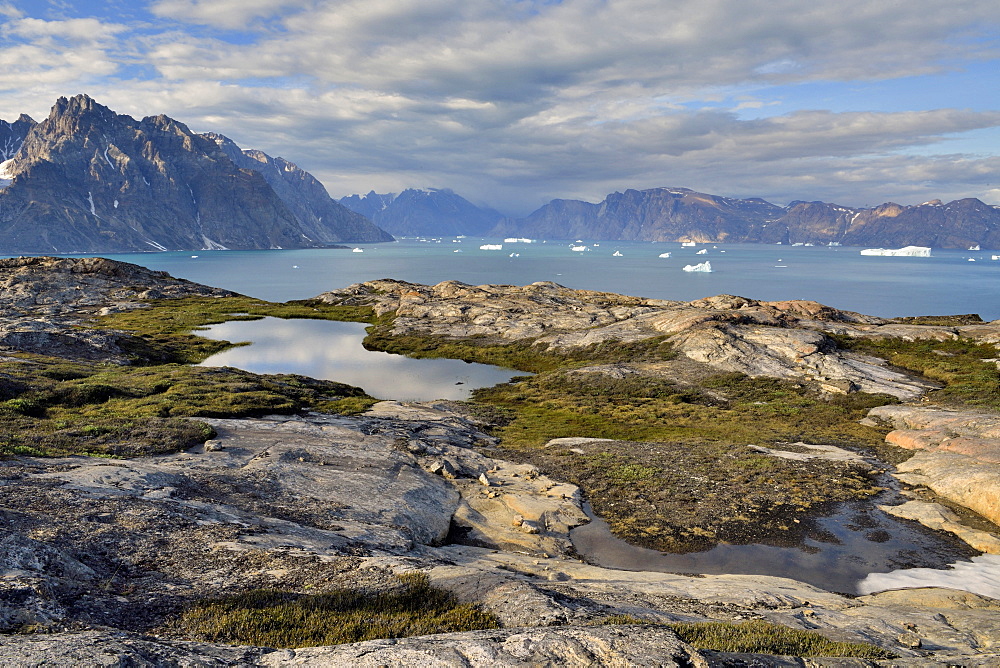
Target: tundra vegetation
{"type": "Point", "coordinates": [674, 471]}
{"type": "Point", "coordinates": [270, 618]}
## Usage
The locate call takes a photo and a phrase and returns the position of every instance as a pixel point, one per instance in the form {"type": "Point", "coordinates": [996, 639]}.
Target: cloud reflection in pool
{"type": "Point", "coordinates": [333, 351]}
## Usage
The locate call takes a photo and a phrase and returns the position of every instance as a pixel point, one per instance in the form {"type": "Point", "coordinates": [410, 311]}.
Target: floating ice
{"type": "Point", "coordinates": [905, 251]}
{"type": "Point", "coordinates": [705, 267]}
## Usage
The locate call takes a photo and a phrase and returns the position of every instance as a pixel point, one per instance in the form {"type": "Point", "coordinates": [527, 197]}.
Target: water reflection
{"type": "Point", "coordinates": [843, 549]}
{"type": "Point", "coordinates": [333, 351]}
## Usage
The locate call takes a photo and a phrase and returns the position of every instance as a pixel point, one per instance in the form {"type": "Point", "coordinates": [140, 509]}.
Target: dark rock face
{"type": "Point", "coordinates": [12, 135]}
{"type": "Point", "coordinates": [322, 219]}
{"type": "Point", "coordinates": [89, 180]}
{"type": "Point", "coordinates": [430, 212]}
{"type": "Point", "coordinates": [679, 214]}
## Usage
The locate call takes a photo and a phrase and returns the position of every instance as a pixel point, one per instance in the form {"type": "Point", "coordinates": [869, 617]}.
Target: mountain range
{"type": "Point", "coordinates": [424, 212]}
{"type": "Point", "coordinates": [680, 214]}
{"type": "Point", "coordinates": [86, 179]}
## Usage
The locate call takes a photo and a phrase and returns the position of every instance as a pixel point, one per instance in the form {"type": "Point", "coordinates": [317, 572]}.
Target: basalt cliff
{"type": "Point", "coordinates": [87, 180]}
{"type": "Point", "coordinates": [100, 556]}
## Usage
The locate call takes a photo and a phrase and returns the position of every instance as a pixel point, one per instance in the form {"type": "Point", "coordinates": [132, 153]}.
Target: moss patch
{"type": "Point", "coordinates": [272, 618]}
{"type": "Point", "coordinates": [52, 406]}
{"type": "Point", "coordinates": [757, 637]}
{"type": "Point", "coordinates": [761, 637]}
{"type": "Point", "coordinates": [957, 364]}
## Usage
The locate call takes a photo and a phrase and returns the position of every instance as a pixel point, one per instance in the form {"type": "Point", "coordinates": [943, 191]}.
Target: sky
{"type": "Point", "coordinates": [512, 103]}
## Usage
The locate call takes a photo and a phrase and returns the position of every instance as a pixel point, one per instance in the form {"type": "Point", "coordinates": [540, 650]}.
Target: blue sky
{"type": "Point", "coordinates": [514, 102]}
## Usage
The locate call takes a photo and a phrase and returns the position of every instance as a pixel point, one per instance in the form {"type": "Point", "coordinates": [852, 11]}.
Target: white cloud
{"type": "Point", "coordinates": [229, 14]}
{"type": "Point", "coordinates": [517, 102]}
{"type": "Point", "coordinates": [10, 11]}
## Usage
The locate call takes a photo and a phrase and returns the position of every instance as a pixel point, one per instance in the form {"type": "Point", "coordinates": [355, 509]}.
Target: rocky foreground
{"type": "Point", "coordinates": [96, 554]}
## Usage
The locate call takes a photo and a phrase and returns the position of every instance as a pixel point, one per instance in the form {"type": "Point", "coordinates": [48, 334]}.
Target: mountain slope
{"type": "Point", "coordinates": [86, 179]}
{"type": "Point", "coordinates": [430, 212]}
{"type": "Point", "coordinates": [321, 218]}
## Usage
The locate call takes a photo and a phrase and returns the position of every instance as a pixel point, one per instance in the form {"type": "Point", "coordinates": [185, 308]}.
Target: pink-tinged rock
{"type": "Point", "coordinates": [982, 449]}
{"type": "Point", "coordinates": [916, 439]}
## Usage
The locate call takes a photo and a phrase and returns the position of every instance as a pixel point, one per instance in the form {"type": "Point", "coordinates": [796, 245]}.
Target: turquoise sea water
{"type": "Point", "coordinates": [946, 283]}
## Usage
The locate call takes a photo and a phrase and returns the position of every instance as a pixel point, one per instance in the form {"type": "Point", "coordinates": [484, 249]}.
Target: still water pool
{"type": "Point", "coordinates": [333, 351]}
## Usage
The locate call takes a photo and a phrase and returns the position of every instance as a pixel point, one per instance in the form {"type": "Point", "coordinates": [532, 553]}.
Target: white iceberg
{"type": "Point", "coordinates": [579, 249]}
{"type": "Point", "coordinates": [905, 251]}
{"type": "Point", "coordinates": [664, 255]}
{"type": "Point", "coordinates": [358, 250]}
{"type": "Point", "coordinates": [518, 240]}
{"type": "Point", "coordinates": [491, 247]}
{"type": "Point", "coordinates": [617, 254]}
{"type": "Point", "coordinates": [705, 267]}
{"type": "Point", "coordinates": [703, 251]}
{"type": "Point", "coordinates": [974, 248]}
{"type": "Point", "coordinates": [688, 244]}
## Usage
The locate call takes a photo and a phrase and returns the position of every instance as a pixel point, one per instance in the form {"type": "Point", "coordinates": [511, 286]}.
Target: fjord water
{"type": "Point", "coordinates": [945, 283]}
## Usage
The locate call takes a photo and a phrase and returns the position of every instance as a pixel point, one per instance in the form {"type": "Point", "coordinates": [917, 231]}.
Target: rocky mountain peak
{"type": "Point", "coordinates": [87, 179]}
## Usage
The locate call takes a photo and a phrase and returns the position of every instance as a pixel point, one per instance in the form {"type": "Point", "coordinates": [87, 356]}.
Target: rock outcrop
{"type": "Point", "coordinates": [45, 300]}
{"type": "Point", "coordinates": [787, 339]}
{"type": "Point", "coordinates": [97, 554]}
{"type": "Point", "coordinates": [957, 453]}
{"type": "Point", "coordinates": [86, 179]}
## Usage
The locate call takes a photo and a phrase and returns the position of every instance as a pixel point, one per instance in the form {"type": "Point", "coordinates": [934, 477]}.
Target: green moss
{"type": "Point", "coordinates": [69, 408]}
{"type": "Point", "coordinates": [757, 637]}
{"type": "Point", "coordinates": [957, 364]}
{"type": "Point", "coordinates": [525, 355]}
{"type": "Point", "coordinates": [761, 637]}
{"type": "Point", "coordinates": [287, 619]}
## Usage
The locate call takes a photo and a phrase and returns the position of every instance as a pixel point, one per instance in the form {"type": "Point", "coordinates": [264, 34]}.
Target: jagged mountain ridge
{"type": "Point", "coordinates": [86, 179]}
{"type": "Point", "coordinates": [322, 218]}
{"type": "Point", "coordinates": [681, 214]}
{"type": "Point", "coordinates": [430, 211]}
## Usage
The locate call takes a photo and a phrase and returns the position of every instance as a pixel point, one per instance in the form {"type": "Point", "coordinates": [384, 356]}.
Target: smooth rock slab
{"type": "Point", "coordinates": [569, 646]}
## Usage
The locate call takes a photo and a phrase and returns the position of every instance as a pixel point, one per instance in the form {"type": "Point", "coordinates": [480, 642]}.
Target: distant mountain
{"type": "Point", "coordinates": [86, 179]}
{"type": "Point", "coordinates": [680, 214]}
{"type": "Point", "coordinates": [429, 212]}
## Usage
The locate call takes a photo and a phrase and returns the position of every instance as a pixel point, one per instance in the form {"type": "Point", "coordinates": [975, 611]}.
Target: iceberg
{"type": "Point", "coordinates": [616, 254]}
{"type": "Point", "coordinates": [518, 240]}
{"type": "Point", "coordinates": [703, 251]}
{"type": "Point", "coordinates": [579, 249]}
{"type": "Point", "coordinates": [705, 267]}
{"type": "Point", "coordinates": [664, 255]}
{"type": "Point", "coordinates": [358, 250]}
{"type": "Point", "coordinates": [491, 247]}
{"type": "Point", "coordinates": [688, 244]}
{"type": "Point", "coordinates": [974, 247]}
{"type": "Point", "coordinates": [905, 251]}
